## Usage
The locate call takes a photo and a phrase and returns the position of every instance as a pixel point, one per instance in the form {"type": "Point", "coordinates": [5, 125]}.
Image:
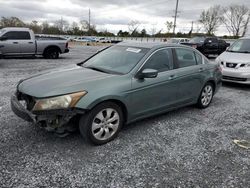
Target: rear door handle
{"type": "Point", "coordinates": [30, 42]}
{"type": "Point", "coordinates": [172, 77]}
{"type": "Point", "coordinates": [15, 42]}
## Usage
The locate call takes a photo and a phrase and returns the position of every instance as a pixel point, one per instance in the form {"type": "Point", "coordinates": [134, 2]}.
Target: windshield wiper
{"type": "Point", "coordinates": [97, 69]}
{"type": "Point", "coordinates": [231, 51]}
{"type": "Point", "coordinates": [238, 51]}
{"type": "Point", "coordinates": [244, 52]}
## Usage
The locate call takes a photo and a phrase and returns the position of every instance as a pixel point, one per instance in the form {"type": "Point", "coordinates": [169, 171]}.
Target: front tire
{"type": "Point", "coordinates": [102, 124]}
{"type": "Point", "coordinates": [206, 96]}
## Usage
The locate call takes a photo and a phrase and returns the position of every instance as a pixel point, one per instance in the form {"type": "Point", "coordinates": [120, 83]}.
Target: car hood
{"type": "Point", "coordinates": [62, 81]}
{"type": "Point", "coordinates": [233, 57]}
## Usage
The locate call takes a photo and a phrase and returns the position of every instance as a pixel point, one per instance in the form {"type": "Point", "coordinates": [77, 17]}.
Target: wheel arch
{"type": "Point", "coordinates": [52, 46]}
{"type": "Point", "coordinates": [114, 100]}
{"type": "Point", "coordinates": [212, 82]}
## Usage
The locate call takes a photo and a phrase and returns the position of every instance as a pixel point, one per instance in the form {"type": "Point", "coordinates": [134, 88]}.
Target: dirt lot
{"type": "Point", "coordinates": [184, 148]}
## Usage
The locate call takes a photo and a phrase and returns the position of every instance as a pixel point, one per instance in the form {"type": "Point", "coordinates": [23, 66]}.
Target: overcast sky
{"type": "Point", "coordinates": [114, 15]}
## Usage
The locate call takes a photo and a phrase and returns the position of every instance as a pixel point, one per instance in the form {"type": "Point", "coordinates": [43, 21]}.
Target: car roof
{"type": "Point", "coordinates": [150, 45]}
{"type": "Point", "coordinates": [16, 29]}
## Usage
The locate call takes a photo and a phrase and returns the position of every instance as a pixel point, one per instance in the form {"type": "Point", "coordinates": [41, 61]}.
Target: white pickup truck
{"type": "Point", "coordinates": [22, 42]}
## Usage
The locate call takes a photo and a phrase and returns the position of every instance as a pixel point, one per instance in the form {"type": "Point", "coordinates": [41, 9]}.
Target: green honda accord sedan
{"type": "Point", "coordinates": [116, 86]}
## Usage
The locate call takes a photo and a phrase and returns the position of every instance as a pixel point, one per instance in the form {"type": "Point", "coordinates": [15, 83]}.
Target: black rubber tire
{"type": "Point", "coordinates": [199, 103]}
{"type": "Point", "coordinates": [51, 53]}
{"type": "Point", "coordinates": [86, 120]}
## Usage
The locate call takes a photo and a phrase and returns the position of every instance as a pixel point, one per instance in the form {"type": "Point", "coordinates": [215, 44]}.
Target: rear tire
{"type": "Point", "coordinates": [206, 95]}
{"type": "Point", "coordinates": [51, 53]}
{"type": "Point", "coordinates": [102, 124]}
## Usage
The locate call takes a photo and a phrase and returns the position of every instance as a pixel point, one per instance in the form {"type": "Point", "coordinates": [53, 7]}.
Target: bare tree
{"type": "Point", "coordinates": [133, 26]}
{"type": "Point", "coordinates": [246, 25]}
{"type": "Point", "coordinates": [169, 25]}
{"type": "Point", "coordinates": [211, 19]}
{"type": "Point", "coordinates": [236, 19]}
{"type": "Point", "coordinates": [11, 22]}
{"type": "Point", "coordinates": [84, 25]}
{"type": "Point", "coordinates": [62, 24]}
{"type": "Point", "coordinates": [35, 26]}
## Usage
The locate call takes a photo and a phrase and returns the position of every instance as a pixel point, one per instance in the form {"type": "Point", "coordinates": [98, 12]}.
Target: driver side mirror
{"type": "Point", "coordinates": [148, 73]}
{"type": "Point", "coordinates": [3, 38]}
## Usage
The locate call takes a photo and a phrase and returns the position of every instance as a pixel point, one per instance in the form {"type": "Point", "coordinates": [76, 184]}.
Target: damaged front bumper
{"type": "Point", "coordinates": [49, 119]}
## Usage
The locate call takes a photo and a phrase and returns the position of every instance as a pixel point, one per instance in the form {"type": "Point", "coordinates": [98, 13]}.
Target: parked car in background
{"type": "Point", "coordinates": [22, 42]}
{"type": "Point", "coordinates": [122, 84]}
{"type": "Point", "coordinates": [235, 62]}
{"type": "Point", "coordinates": [178, 40]}
{"type": "Point", "coordinates": [208, 45]}
{"type": "Point", "coordinates": [103, 40]}
{"type": "Point", "coordinates": [84, 39]}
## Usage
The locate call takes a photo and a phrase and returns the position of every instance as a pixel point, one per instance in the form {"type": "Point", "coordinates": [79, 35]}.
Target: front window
{"type": "Point", "coordinates": [116, 59]}
{"type": "Point", "coordinates": [161, 61]}
{"type": "Point", "coordinates": [240, 46]}
{"type": "Point", "coordinates": [17, 35]}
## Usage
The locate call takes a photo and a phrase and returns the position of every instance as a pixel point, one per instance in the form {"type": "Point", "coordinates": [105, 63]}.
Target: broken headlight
{"type": "Point", "coordinates": [60, 102]}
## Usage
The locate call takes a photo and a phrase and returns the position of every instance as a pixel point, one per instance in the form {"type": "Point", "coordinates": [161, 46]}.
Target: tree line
{"type": "Point", "coordinates": [235, 18]}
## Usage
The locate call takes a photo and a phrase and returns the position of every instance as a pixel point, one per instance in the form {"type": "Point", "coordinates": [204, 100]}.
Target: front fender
{"type": "Point", "coordinates": [85, 103]}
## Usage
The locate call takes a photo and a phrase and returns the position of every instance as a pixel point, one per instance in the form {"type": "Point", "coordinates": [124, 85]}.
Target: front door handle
{"type": "Point", "coordinates": [201, 69]}
{"type": "Point", "coordinates": [15, 42]}
{"type": "Point", "coordinates": [30, 42]}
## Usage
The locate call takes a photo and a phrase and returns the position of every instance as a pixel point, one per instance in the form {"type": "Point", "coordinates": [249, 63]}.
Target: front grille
{"type": "Point", "coordinates": [234, 78]}
{"type": "Point", "coordinates": [231, 65]}
{"type": "Point", "coordinates": [29, 100]}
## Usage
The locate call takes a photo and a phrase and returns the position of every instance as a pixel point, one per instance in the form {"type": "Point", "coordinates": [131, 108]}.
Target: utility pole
{"type": "Point", "coordinates": [89, 19]}
{"type": "Point", "coordinates": [175, 15]}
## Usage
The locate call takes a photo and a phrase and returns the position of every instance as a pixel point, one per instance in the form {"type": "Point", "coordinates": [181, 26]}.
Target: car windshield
{"type": "Point", "coordinates": [116, 59]}
{"type": "Point", "coordinates": [240, 46]}
{"type": "Point", "coordinates": [197, 40]}
{"type": "Point", "coordinates": [1, 31]}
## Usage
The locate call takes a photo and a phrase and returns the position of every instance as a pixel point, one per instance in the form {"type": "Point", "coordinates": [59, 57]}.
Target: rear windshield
{"type": "Point", "coordinates": [117, 59]}
{"type": "Point", "coordinates": [240, 46]}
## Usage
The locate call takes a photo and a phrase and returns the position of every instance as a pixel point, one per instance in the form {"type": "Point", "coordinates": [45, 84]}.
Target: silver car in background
{"type": "Point", "coordinates": [235, 62]}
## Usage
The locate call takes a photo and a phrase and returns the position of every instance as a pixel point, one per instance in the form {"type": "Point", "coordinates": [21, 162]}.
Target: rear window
{"type": "Point", "coordinates": [198, 58]}
{"type": "Point", "coordinates": [17, 35]}
{"type": "Point", "coordinates": [185, 57]}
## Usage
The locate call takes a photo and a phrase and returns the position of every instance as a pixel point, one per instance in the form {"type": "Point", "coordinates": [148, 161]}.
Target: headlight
{"type": "Point", "coordinates": [60, 102]}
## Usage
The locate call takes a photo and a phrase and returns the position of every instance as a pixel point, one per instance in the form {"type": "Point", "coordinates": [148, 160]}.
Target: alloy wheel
{"type": "Point", "coordinates": [207, 95]}
{"type": "Point", "coordinates": [105, 124]}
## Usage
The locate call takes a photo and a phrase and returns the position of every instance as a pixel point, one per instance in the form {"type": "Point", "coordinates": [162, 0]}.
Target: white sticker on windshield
{"type": "Point", "coordinates": [135, 50]}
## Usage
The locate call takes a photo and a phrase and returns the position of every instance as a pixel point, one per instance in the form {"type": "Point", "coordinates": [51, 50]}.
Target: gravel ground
{"type": "Point", "coordinates": [188, 147]}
